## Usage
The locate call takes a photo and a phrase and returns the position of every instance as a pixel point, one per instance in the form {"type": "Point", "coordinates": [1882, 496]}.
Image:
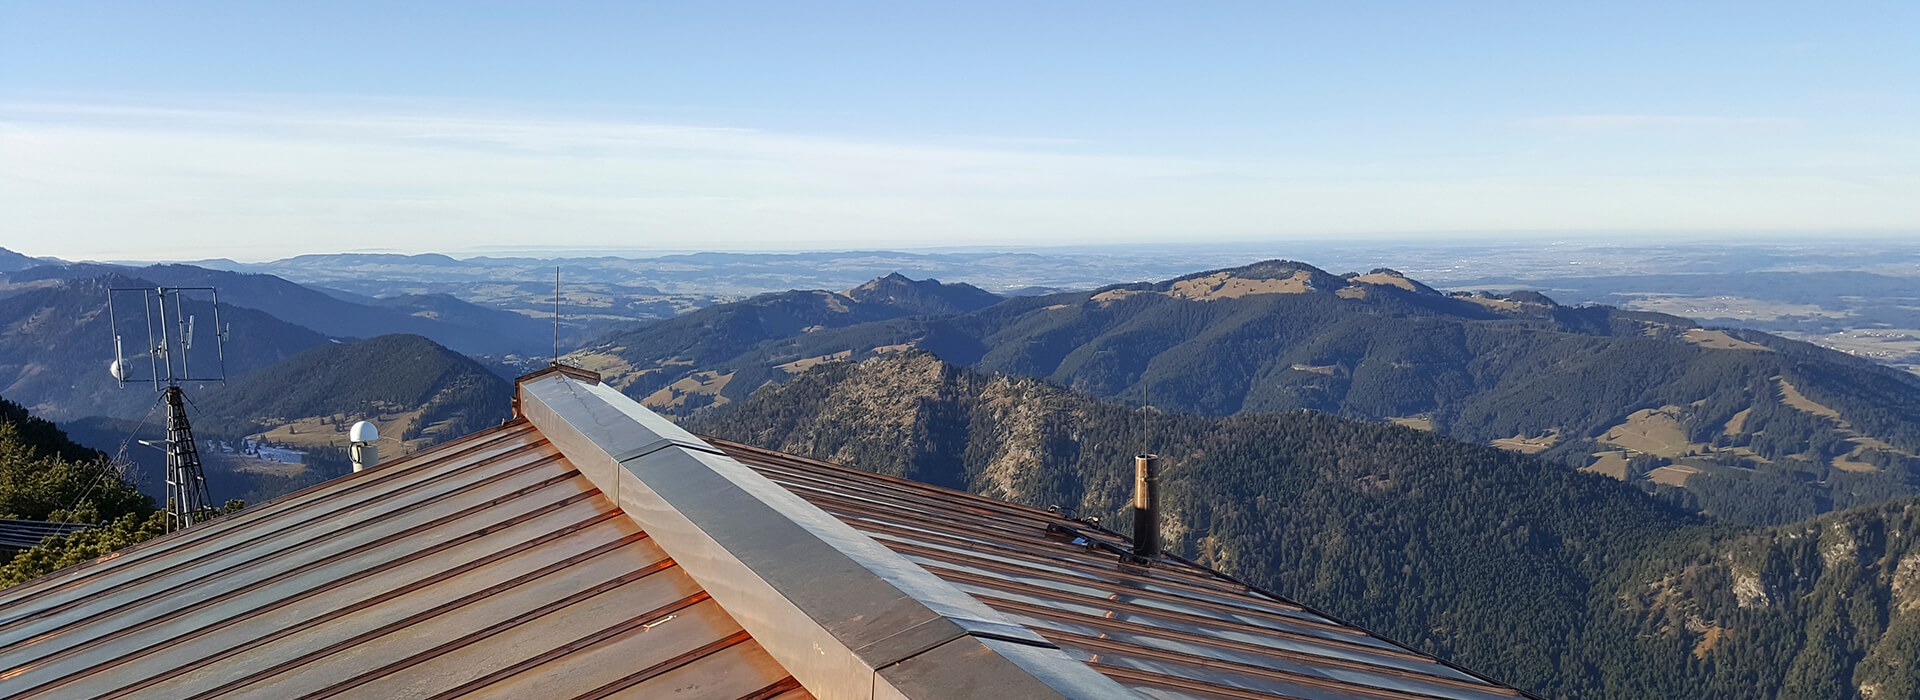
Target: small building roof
{"type": "Point", "coordinates": [589, 549]}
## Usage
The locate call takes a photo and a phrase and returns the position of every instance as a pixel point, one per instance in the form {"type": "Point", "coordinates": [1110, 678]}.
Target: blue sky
{"type": "Point", "coordinates": [257, 130]}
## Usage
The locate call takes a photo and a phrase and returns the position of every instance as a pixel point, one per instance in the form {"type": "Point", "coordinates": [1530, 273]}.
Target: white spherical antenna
{"type": "Point", "coordinates": [119, 371]}
{"type": "Point", "coordinates": [363, 432]}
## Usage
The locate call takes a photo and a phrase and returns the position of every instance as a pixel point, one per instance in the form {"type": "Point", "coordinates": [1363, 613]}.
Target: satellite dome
{"type": "Point", "coordinates": [119, 371]}
{"type": "Point", "coordinates": [363, 432]}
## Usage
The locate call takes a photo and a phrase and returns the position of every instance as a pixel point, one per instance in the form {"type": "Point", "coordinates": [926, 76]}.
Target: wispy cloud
{"type": "Point", "coordinates": [267, 180]}
{"type": "Point", "coordinates": [1657, 122]}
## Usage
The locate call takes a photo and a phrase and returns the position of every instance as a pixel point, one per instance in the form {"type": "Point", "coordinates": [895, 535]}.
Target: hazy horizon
{"type": "Point", "coordinates": [132, 131]}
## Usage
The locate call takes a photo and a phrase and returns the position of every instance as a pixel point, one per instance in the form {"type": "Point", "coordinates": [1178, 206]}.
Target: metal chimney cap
{"type": "Point", "coordinates": [363, 432]}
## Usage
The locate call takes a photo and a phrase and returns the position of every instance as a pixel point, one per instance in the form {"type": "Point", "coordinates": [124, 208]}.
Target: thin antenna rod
{"type": "Point", "coordinates": [1146, 420]}
{"type": "Point", "coordinates": [153, 350]}
{"type": "Point", "coordinates": [556, 314]}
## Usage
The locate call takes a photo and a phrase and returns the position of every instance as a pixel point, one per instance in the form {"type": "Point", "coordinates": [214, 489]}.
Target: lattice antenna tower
{"type": "Point", "coordinates": [169, 354]}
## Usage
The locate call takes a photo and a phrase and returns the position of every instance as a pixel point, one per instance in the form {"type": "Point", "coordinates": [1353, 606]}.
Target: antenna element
{"type": "Point", "coordinates": [169, 352]}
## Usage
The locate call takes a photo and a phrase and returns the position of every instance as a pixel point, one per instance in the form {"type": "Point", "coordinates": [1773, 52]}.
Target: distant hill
{"type": "Point", "coordinates": [1567, 584]}
{"type": "Point", "coordinates": [463, 326]}
{"type": "Point", "coordinates": [1743, 425]}
{"type": "Point", "coordinates": [922, 297]}
{"type": "Point", "coordinates": [11, 261]}
{"type": "Point", "coordinates": [417, 391]}
{"type": "Point", "coordinates": [652, 363]}
{"type": "Point", "coordinates": [56, 343]}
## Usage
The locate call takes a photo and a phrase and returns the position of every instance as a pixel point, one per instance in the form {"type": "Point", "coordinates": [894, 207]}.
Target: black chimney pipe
{"type": "Point", "coordinates": [1146, 506]}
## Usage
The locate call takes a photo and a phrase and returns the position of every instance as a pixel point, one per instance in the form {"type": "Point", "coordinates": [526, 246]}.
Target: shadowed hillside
{"type": "Point", "coordinates": [1739, 424]}
{"type": "Point", "coordinates": [1568, 584]}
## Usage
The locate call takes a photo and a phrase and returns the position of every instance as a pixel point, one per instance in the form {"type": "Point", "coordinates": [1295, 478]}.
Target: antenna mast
{"type": "Point", "coordinates": [169, 346]}
{"type": "Point", "coordinates": [556, 314]}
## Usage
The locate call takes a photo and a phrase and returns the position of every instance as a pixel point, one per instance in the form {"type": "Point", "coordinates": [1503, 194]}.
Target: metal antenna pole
{"type": "Point", "coordinates": [187, 500]}
{"type": "Point", "coordinates": [556, 314]}
{"type": "Point", "coordinates": [155, 349]}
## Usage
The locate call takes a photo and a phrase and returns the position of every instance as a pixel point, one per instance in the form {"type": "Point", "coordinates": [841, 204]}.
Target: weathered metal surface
{"type": "Point", "coordinates": [829, 603]}
{"type": "Point", "coordinates": [485, 567]}
{"type": "Point", "coordinates": [24, 534]}
{"type": "Point", "coordinates": [1173, 629]}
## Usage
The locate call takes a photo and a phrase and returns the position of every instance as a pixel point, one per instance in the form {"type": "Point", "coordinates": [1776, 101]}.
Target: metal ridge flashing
{"type": "Point", "coordinates": [848, 617]}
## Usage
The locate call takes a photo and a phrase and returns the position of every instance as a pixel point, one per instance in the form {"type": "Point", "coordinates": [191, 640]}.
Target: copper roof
{"type": "Point", "coordinates": [486, 566]}
{"type": "Point", "coordinates": [1173, 629]}
{"type": "Point", "coordinates": [591, 549]}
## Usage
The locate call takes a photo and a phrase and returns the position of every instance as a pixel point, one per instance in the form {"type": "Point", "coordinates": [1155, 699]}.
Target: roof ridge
{"type": "Point", "coordinates": [844, 614]}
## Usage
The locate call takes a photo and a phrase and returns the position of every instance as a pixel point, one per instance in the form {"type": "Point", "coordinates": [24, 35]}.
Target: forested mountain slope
{"type": "Point", "coordinates": [414, 389]}
{"type": "Point", "coordinates": [1743, 425]}
{"type": "Point", "coordinates": [671, 365]}
{"type": "Point", "coordinates": [44, 475]}
{"type": "Point", "coordinates": [1568, 584]}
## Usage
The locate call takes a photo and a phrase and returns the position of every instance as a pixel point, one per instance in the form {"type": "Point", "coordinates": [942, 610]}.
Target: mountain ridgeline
{"type": "Point", "coordinates": [458, 324]}
{"type": "Point", "coordinates": [1742, 425]}
{"type": "Point", "coordinates": [412, 387]}
{"type": "Point", "coordinates": [671, 365]}
{"type": "Point", "coordinates": [1566, 584]}
{"type": "Point", "coordinates": [56, 340]}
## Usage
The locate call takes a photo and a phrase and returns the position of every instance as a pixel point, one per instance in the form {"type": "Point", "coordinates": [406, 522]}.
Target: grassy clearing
{"type": "Point", "coordinates": [1610, 463]}
{"type": "Point", "coordinates": [1672, 476]}
{"type": "Point", "coordinates": [1415, 422]}
{"type": "Point", "coordinates": [1653, 431]}
{"type": "Point", "coordinates": [701, 383]}
{"type": "Point", "coordinates": [807, 363]}
{"type": "Point", "coordinates": [1719, 340]}
{"type": "Point", "coordinates": [1528, 445]}
{"type": "Point", "coordinates": [1223, 285]}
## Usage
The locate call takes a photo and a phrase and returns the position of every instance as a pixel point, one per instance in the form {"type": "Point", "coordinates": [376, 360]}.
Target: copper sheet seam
{"type": "Point", "coordinates": [817, 466]}
{"type": "Point", "coordinates": [1347, 688]}
{"type": "Point", "coordinates": [682, 659]}
{"type": "Point", "coordinates": [997, 583]}
{"type": "Point", "coordinates": [1185, 686]}
{"type": "Point", "coordinates": [1256, 590]}
{"type": "Point", "coordinates": [909, 507]}
{"type": "Point", "coordinates": [212, 600]}
{"type": "Point", "coordinates": [1303, 657]}
{"type": "Point", "coordinates": [777, 689]}
{"type": "Point", "coordinates": [417, 618]}
{"type": "Point", "coordinates": [1057, 553]}
{"type": "Point", "coordinates": [443, 648]}
{"type": "Point", "coordinates": [1080, 579]}
{"type": "Point", "coordinates": [598, 637]}
{"type": "Point", "coordinates": [198, 536]}
{"type": "Point", "coordinates": [300, 596]}
{"type": "Point", "coordinates": [309, 566]}
{"type": "Point", "coordinates": [1043, 612]}
{"type": "Point", "coordinates": [797, 465]}
{"type": "Point", "coordinates": [416, 586]}
{"type": "Point", "coordinates": [778, 471]}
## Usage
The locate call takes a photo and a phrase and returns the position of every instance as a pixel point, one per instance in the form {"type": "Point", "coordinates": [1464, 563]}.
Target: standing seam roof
{"type": "Point", "coordinates": [1174, 629]}
{"type": "Point", "coordinates": [587, 551]}
{"type": "Point", "coordinates": [486, 566]}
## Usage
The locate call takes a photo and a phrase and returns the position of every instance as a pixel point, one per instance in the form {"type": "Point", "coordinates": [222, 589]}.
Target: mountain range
{"type": "Point", "coordinates": [1566, 584]}
{"type": "Point", "coordinates": [1739, 424]}
{"type": "Point", "coordinates": [461, 325]}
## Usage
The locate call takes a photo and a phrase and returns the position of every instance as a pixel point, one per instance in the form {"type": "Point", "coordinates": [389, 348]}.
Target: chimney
{"type": "Point", "coordinates": [365, 454]}
{"type": "Point", "coordinates": [1146, 506]}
